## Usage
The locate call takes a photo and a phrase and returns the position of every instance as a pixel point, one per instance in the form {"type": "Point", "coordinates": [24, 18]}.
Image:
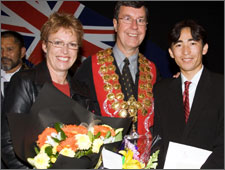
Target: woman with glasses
{"type": "Point", "coordinates": [61, 38]}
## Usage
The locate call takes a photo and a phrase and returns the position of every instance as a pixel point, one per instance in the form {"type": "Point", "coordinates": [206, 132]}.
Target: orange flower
{"type": "Point", "coordinates": [72, 130]}
{"type": "Point", "coordinates": [43, 136]}
{"type": "Point", "coordinates": [70, 142]}
{"type": "Point", "coordinates": [103, 129]}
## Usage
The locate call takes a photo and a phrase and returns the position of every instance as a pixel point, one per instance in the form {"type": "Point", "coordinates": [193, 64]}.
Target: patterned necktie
{"type": "Point", "coordinates": [127, 79]}
{"type": "Point", "coordinates": [186, 100]}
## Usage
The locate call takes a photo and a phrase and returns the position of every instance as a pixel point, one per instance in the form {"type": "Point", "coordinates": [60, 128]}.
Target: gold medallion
{"type": "Point", "coordinates": [142, 86]}
{"type": "Point", "coordinates": [144, 112]}
{"type": "Point", "coordinates": [111, 67]}
{"type": "Point", "coordinates": [117, 86]}
{"type": "Point", "coordinates": [148, 77]}
{"type": "Point", "coordinates": [103, 69]}
{"type": "Point", "coordinates": [123, 113]}
{"type": "Point", "coordinates": [116, 105]}
{"type": "Point", "coordinates": [110, 96]}
{"type": "Point", "coordinates": [114, 77]}
{"type": "Point", "coordinates": [131, 100]}
{"type": "Point", "coordinates": [147, 69]}
{"type": "Point", "coordinates": [132, 110]}
{"type": "Point", "coordinates": [107, 87]}
{"type": "Point", "coordinates": [142, 78]}
{"type": "Point", "coordinates": [149, 94]}
{"type": "Point", "coordinates": [149, 85]}
{"type": "Point", "coordinates": [138, 105]}
{"type": "Point", "coordinates": [110, 59]}
{"type": "Point", "coordinates": [147, 102]}
{"type": "Point", "coordinates": [106, 77]}
{"type": "Point", "coordinates": [120, 96]}
{"type": "Point", "coordinates": [124, 105]}
{"type": "Point", "coordinates": [141, 96]}
{"type": "Point", "coordinates": [101, 61]}
{"type": "Point", "coordinates": [141, 68]}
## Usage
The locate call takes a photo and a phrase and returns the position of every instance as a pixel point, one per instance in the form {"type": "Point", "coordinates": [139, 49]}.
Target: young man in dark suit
{"type": "Point", "coordinates": [203, 124]}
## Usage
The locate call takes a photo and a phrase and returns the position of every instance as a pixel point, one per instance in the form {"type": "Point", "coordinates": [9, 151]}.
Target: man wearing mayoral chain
{"type": "Point", "coordinates": [121, 78]}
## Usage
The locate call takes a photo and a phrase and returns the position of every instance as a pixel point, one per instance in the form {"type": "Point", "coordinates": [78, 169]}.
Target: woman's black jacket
{"type": "Point", "coordinates": [23, 89]}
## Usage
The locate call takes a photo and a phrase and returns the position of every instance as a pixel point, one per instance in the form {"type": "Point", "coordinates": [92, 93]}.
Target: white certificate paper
{"type": "Point", "coordinates": [111, 160]}
{"type": "Point", "coordinates": [180, 156]}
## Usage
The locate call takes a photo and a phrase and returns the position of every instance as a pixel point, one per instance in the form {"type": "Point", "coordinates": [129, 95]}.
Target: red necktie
{"type": "Point", "coordinates": [186, 100]}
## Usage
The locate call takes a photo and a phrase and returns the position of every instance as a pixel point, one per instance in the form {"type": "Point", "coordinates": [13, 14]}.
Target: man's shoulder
{"type": "Point", "coordinates": [165, 83]}
{"type": "Point", "coordinates": [24, 74]}
{"type": "Point", "coordinates": [216, 78]}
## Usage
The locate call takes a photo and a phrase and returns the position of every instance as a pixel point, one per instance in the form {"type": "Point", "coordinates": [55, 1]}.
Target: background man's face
{"type": "Point", "coordinates": [11, 54]}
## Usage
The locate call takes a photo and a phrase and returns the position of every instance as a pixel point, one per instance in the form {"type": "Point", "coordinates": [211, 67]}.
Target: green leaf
{"type": "Point", "coordinates": [36, 149]}
{"type": "Point", "coordinates": [79, 154]}
{"type": "Point", "coordinates": [48, 150]}
{"type": "Point", "coordinates": [63, 135]}
{"type": "Point", "coordinates": [55, 139]}
{"type": "Point", "coordinates": [152, 163]}
{"type": "Point", "coordinates": [88, 152]}
{"type": "Point", "coordinates": [119, 136]}
{"type": "Point", "coordinates": [108, 134]}
{"type": "Point", "coordinates": [91, 136]}
{"type": "Point", "coordinates": [58, 127]}
{"type": "Point", "coordinates": [97, 135]}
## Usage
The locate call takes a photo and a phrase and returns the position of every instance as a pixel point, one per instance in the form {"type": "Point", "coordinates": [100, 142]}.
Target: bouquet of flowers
{"type": "Point", "coordinates": [79, 134]}
{"type": "Point", "coordinates": [130, 154]}
{"type": "Point", "coordinates": [71, 141]}
{"type": "Point", "coordinates": [131, 157]}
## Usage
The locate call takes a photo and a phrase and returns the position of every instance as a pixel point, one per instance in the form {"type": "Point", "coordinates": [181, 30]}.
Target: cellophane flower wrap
{"type": "Point", "coordinates": [63, 132]}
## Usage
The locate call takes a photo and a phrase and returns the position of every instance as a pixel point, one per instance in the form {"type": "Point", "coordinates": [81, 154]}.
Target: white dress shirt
{"type": "Point", "coordinates": [119, 56]}
{"type": "Point", "coordinates": [5, 77]}
{"type": "Point", "coordinates": [193, 85]}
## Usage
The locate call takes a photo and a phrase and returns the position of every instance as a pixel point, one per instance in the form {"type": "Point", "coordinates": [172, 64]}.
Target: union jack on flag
{"type": "Point", "coordinates": [27, 18]}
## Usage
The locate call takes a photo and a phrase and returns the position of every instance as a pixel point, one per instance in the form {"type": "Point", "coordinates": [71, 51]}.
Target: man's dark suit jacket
{"type": "Point", "coordinates": [205, 127]}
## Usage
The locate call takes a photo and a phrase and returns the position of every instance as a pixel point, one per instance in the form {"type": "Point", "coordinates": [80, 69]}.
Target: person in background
{"type": "Point", "coordinates": [120, 79]}
{"type": "Point", "coordinates": [12, 55]}
{"type": "Point", "coordinates": [190, 109]}
{"type": "Point", "coordinates": [61, 38]}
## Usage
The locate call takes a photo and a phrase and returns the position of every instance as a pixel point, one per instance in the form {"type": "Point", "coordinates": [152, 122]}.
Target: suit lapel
{"type": "Point", "coordinates": [175, 103]}
{"type": "Point", "coordinates": [200, 100]}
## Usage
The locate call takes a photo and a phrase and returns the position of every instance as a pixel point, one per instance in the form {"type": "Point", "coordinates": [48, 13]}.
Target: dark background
{"type": "Point", "coordinates": [164, 14]}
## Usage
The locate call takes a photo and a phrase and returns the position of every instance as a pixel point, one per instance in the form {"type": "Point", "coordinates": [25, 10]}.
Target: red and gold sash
{"type": "Point", "coordinates": [111, 98]}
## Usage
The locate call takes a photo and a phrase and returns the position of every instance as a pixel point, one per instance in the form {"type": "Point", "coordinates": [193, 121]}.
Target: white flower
{"type": "Point", "coordinates": [41, 161]}
{"type": "Point", "coordinates": [51, 141]}
{"type": "Point", "coordinates": [96, 145]}
{"type": "Point", "coordinates": [67, 152]}
{"type": "Point", "coordinates": [83, 141]}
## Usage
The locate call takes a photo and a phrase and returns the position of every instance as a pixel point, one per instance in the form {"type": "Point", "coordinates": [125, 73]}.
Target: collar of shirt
{"type": "Point", "coordinates": [5, 77]}
{"type": "Point", "coordinates": [193, 85]}
{"type": "Point", "coordinates": [119, 57]}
